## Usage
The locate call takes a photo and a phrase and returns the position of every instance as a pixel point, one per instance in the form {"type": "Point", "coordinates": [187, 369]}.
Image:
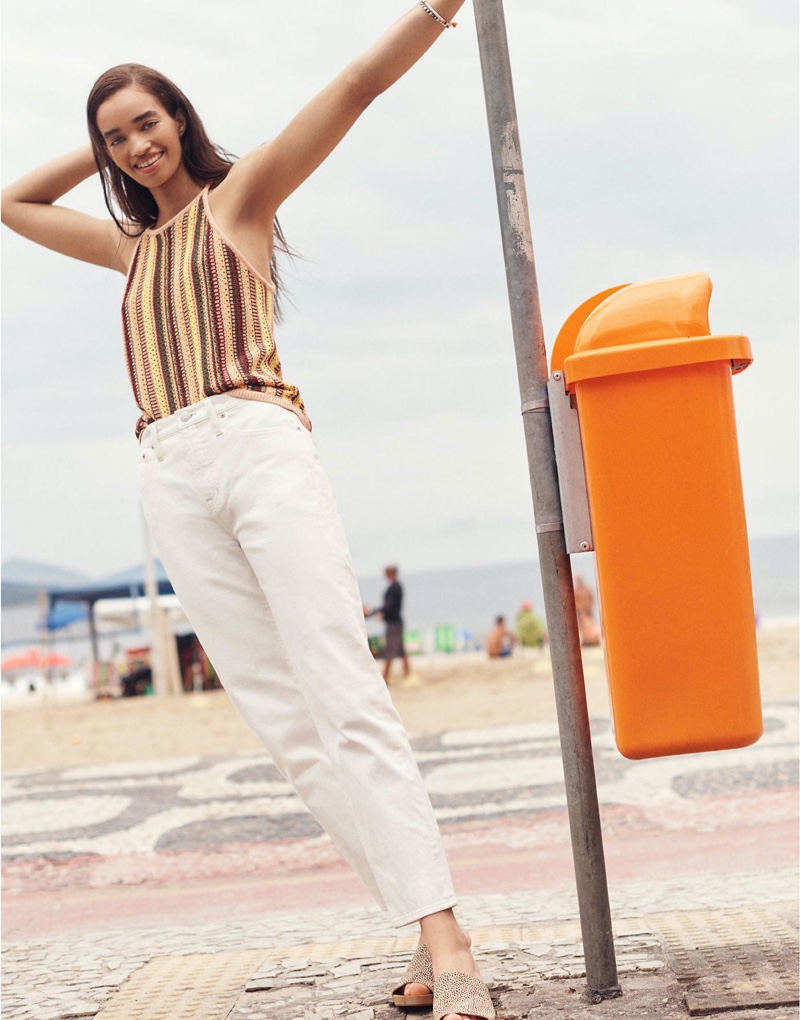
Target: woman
{"type": "Point", "coordinates": [232, 489]}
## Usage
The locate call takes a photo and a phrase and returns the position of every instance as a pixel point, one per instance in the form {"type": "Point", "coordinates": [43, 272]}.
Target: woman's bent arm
{"type": "Point", "coordinates": [29, 209]}
{"type": "Point", "coordinates": [262, 179]}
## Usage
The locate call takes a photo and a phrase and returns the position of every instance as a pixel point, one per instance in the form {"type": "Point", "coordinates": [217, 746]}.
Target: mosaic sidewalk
{"type": "Point", "coordinates": [192, 888]}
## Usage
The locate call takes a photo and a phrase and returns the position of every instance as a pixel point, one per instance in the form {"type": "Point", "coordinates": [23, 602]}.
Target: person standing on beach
{"type": "Point", "coordinates": [232, 487]}
{"type": "Point", "coordinates": [391, 613]}
{"type": "Point", "coordinates": [584, 607]}
{"type": "Point", "coordinates": [529, 628]}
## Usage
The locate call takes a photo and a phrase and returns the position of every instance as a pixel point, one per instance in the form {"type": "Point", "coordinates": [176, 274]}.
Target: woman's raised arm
{"type": "Point", "coordinates": [261, 180]}
{"type": "Point", "coordinates": [29, 208]}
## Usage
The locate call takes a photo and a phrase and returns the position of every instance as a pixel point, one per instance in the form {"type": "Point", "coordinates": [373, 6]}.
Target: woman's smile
{"type": "Point", "coordinates": [148, 163]}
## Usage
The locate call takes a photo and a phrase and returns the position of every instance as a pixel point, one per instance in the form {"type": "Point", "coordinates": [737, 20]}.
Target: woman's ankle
{"type": "Point", "coordinates": [443, 935]}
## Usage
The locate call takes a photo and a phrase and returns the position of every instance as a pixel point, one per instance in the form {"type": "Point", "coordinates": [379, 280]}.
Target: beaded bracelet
{"type": "Point", "coordinates": [435, 16]}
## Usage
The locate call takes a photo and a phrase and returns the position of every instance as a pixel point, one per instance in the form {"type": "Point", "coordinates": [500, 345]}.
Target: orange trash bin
{"type": "Point", "coordinates": [654, 398]}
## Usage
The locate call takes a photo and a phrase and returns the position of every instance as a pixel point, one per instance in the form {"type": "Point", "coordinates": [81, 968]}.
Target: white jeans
{"type": "Point", "coordinates": [247, 528]}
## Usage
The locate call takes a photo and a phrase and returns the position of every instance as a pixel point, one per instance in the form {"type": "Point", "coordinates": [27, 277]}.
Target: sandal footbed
{"type": "Point", "coordinates": [413, 1000]}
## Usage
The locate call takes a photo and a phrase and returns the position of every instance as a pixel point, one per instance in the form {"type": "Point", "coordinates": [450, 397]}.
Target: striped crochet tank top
{"type": "Point", "coordinates": [197, 320]}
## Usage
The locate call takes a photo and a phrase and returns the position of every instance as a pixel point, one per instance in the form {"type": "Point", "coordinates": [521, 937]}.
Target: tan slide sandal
{"type": "Point", "coordinates": [461, 993]}
{"type": "Point", "coordinates": [419, 971]}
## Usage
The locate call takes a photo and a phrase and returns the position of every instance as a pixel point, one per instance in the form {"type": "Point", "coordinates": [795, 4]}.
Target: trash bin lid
{"type": "Point", "coordinates": [654, 354]}
{"type": "Point", "coordinates": [644, 326]}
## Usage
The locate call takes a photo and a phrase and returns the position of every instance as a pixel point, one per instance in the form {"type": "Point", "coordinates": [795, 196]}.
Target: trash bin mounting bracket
{"type": "Point", "coordinates": [569, 462]}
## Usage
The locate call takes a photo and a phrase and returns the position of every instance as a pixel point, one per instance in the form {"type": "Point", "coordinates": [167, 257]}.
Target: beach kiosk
{"type": "Point", "coordinates": [651, 389]}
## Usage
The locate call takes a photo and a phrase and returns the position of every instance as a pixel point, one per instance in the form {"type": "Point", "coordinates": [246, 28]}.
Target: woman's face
{"type": "Point", "coordinates": [142, 139]}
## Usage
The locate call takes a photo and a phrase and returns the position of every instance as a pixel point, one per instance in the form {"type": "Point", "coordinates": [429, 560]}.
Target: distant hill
{"type": "Point", "coordinates": [23, 579]}
{"type": "Point", "coordinates": [45, 575]}
{"type": "Point", "coordinates": [133, 575]}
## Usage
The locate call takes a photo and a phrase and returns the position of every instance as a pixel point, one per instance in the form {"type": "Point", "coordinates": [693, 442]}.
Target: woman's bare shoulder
{"type": "Point", "coordinates": [126, 238]}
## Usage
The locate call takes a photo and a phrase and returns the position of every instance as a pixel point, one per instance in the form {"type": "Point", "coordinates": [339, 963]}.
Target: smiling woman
{"type": "Point", "coordinates": [146, 135]}
{"type": "Point", "coordinates": [230, 480]}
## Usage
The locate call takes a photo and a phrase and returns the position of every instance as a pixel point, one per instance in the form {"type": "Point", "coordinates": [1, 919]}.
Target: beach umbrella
{"type": "Point", "coordinates": [63, 614]}
{"type": "Point", "coordinates": [33, 658]}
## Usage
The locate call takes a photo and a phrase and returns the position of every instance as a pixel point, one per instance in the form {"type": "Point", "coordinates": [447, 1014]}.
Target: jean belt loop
{"type": "Point", "coordinates": [215, 416]}
{"type": "Point", "coordinates": [157, 442]}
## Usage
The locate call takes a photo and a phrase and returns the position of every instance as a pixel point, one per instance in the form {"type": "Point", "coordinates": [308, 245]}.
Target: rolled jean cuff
{"type": "Point", "coordinates": [433, 908]}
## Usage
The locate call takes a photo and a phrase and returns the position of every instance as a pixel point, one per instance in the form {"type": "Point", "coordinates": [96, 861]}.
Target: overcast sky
{"type": "Point", "coordinates": [658, 138]}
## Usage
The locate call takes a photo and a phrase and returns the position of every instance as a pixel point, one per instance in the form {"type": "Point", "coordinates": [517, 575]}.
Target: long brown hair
{"type": "Point", "coordinates": [205, 161]}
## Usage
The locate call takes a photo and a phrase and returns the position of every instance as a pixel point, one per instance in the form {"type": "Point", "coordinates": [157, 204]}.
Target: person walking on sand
{"type": "Point", "coordinates": [231, 484]}
{"type": "Point", "coordinates": [391, 614]}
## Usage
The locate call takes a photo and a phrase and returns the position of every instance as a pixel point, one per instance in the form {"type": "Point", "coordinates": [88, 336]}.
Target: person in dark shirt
{"type": "Point", "coordinates": [391, 612]}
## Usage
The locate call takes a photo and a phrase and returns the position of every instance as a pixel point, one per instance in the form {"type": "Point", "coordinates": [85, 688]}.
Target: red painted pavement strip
{"type": "Point", "coordinates": [480, 866]}
{"type": "Point", "coordinates": [112, 908]}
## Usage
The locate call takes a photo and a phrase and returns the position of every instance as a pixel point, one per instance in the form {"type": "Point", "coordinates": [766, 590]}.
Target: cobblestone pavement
{"type": "Point", "coordinates": [191, 888]}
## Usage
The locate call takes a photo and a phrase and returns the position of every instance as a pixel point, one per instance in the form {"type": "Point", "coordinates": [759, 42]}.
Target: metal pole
{"type": "Point", "coordinates": [559, 598]}
{"type": "Point", "coordinates": [94, 643]}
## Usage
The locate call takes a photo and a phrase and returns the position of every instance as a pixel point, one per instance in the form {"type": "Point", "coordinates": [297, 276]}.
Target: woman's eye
{"type": "Point", "coordinates": [149, 124]}
{"type": "Point", "coordinates": [114, 141]}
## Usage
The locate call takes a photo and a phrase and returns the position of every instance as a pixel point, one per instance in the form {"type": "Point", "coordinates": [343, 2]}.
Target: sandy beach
{"type": "Point", "coordinates": [446, 692]}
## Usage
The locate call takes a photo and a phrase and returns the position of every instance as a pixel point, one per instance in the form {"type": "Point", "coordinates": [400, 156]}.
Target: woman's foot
{"type": "Point", "coordinates": [450, 951]}
{"type": "Point", "coordinates": [415, 988]}
{"type": "Point", "coordinates": [416, 985]}
{"type": "Point", "coordinates": [453, 960]}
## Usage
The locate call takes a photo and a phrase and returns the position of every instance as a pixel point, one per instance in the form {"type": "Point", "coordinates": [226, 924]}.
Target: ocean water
{"type": "Point", "coordinates": [467, 598]}
{"type": "Point", "coordinates": [471, 597]}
